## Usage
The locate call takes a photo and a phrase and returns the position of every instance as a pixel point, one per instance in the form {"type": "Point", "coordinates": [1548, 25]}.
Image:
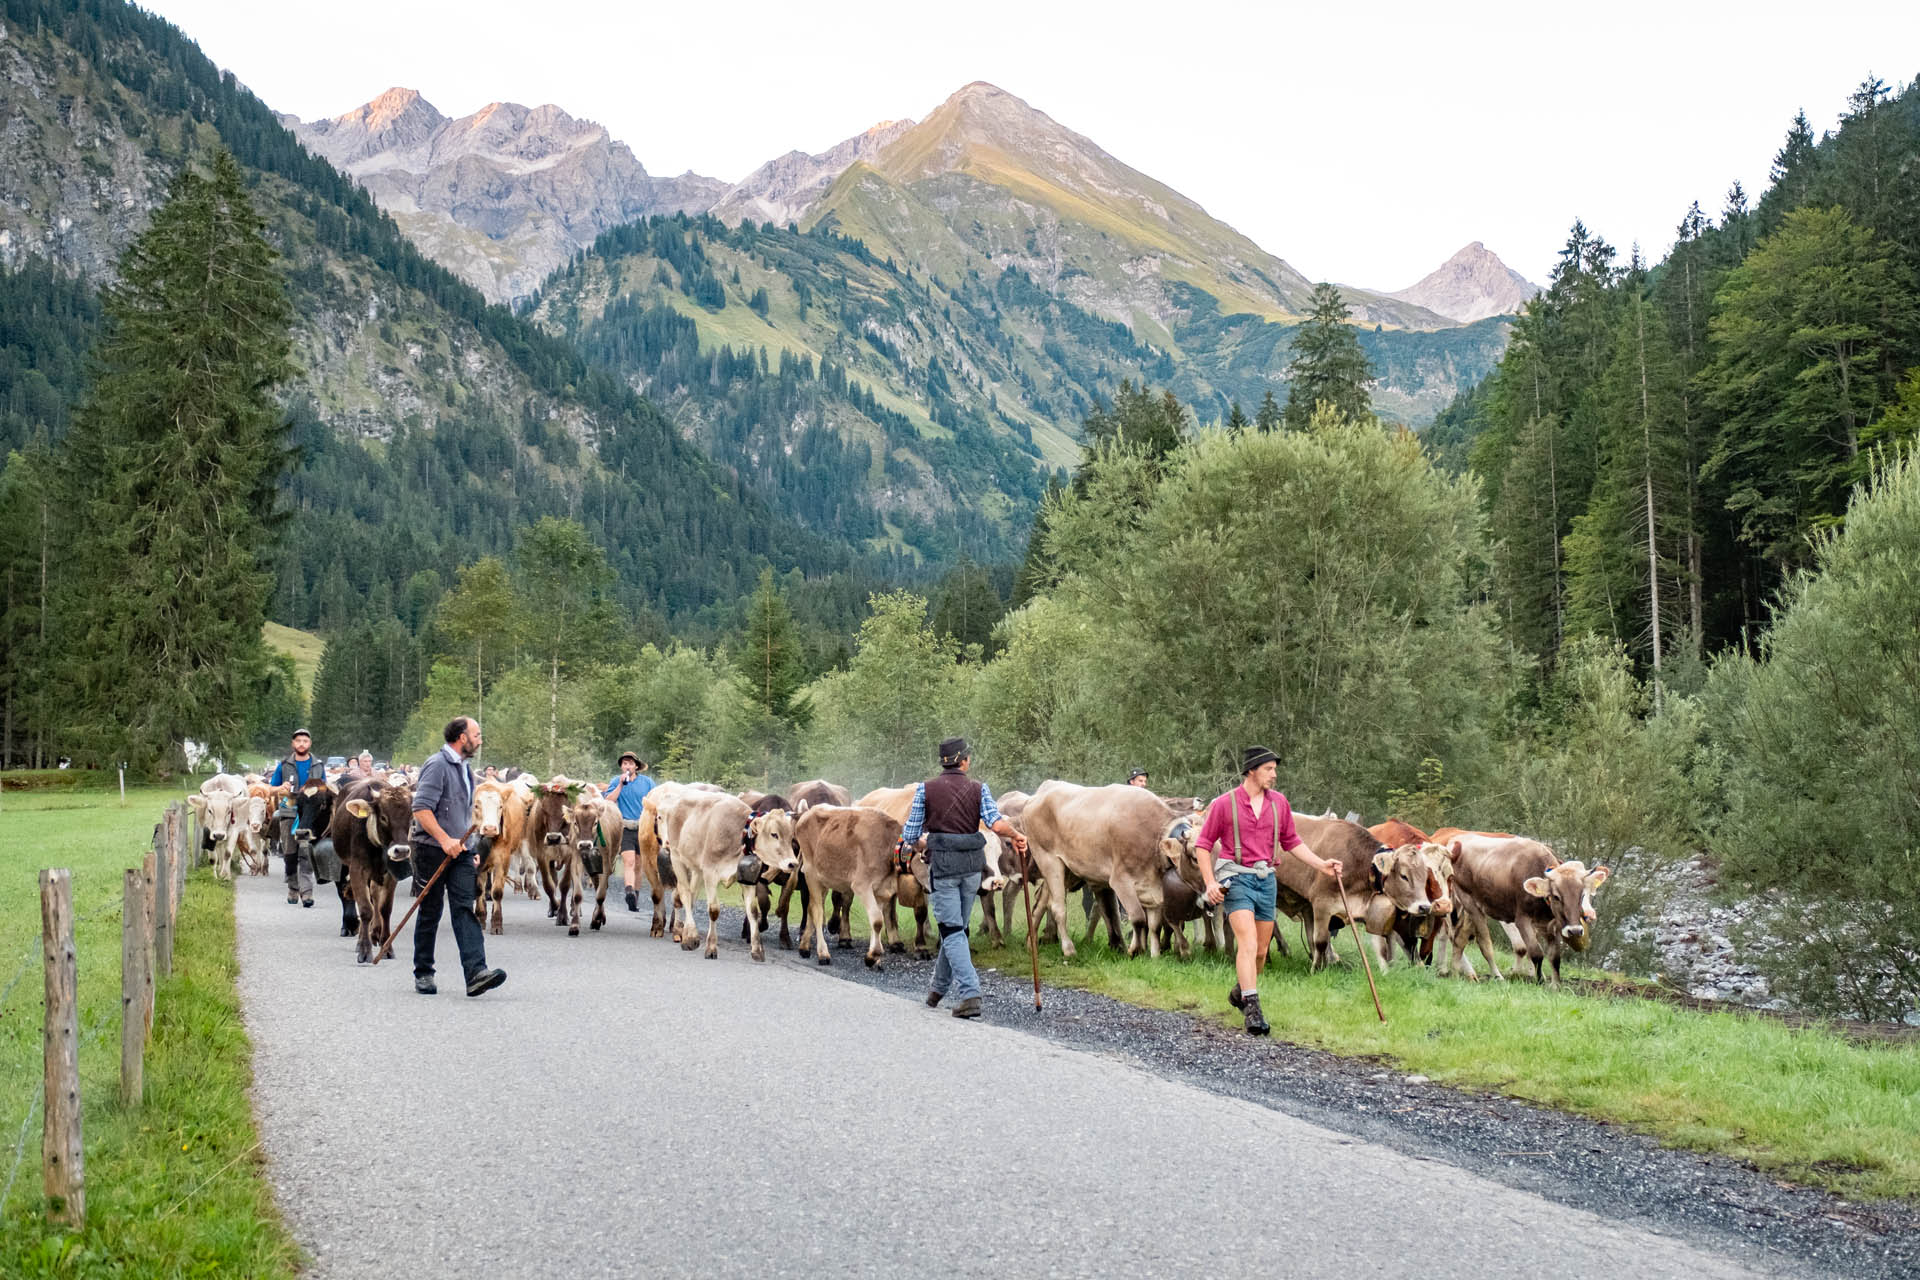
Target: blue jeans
{"type": "Point", "coordinates": [952, 901]}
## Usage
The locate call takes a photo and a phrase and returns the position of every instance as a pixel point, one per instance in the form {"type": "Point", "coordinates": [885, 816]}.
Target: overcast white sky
{"type": "Point", "coordinates": [1363, 143]}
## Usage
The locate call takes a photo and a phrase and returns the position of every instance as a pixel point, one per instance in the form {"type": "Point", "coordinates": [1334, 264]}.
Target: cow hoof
{"type": "Point", "coordinates": [360, 959]}
{"type": "Point", "coordinates": [871, 962]}
{"type": "Point", "coordinates": [759, 955]}
{"type": "Point", "coordinates": [688, 944]}
{"type": "Point", "coordinates": [713, 955]}
{"type": "Point", "coordinates": [573, 931]}
{"type": "Point", "coordinates": [921, 953]}
{"type": "Point", "coordinates": [898, 948]}
{"type": "Point", "coordinates": [826, 959]}
{"type": "Point", "coordinates": [347, 931]}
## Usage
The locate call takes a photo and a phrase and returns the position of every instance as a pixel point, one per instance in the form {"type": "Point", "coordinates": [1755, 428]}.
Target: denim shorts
{"type": "Point", "coordinates": [1251, 893]}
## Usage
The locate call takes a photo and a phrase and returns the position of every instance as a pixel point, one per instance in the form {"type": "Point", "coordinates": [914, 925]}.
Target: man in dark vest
{"type": "Point", "coordinates": [950, 809]}
{"type": "Point", "coordinates": [300, 767]}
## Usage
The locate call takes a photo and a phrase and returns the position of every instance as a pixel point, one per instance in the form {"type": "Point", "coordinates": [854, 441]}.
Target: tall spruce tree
{"type": "Point", "coordinates": [1268, 417]}
{"type": "Point", "coordinates": [1328, 365]}
{"type": "Point", "coordinates": [169, 481]}
{"type": "Point", "coordinates": [769, 652]}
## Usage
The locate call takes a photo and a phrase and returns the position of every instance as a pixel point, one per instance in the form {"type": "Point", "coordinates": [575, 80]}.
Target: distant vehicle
{"type": "Point", "coordinates": [336, 762]}
{"type": "Point", "coordinates": [380, 766]}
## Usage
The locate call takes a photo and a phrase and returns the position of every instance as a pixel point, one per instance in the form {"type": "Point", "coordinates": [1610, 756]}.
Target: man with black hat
{"type": "Point", "coordinates": [1252, 825]}
{"type": "Point", "coordinates": [293, 773]}
{"type": "Point", "coordinates": [629, 789]}
{"type": "Point", "coordinates": [1136, 777]}
{"type": "Point", "coordinates": [949, 809]}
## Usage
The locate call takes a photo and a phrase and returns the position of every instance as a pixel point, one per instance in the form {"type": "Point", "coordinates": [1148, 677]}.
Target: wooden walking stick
{"type": "Point", "coordinates": [1357, 928]}
{"type": "Point", "coordinates": [445, 862]}
{"type": "Point", "coordinates": [1033, 943]}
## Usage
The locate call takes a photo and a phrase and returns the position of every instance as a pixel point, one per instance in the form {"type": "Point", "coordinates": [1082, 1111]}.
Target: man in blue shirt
{"type": "Point", "coordinates": [293, 772]}
{"type": "Point", "coordinates": [628, 789]}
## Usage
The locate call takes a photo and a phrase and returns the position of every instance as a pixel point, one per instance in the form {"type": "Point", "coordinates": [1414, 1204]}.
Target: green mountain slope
{"type": "Point", "coordinates": [431, 423]}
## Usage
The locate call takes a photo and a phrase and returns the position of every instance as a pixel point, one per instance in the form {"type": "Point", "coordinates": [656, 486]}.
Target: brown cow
{"type": "Point", "coordinates": [1521, 883]}
{"type": "Point", "coordinates": [846, 849]}
{"type": "Point", "coordinates": [370, 825]}
{"type": "Point", "coordinates": [596, 839]}
{"type": "Point", "coordinates": [651, 855]}
{"type": "Point", "coordinates": [1111, 835]}
{"type": "Point", "coordinates": [500, 811]}
{"type": "Point", "coordinates": [706, 834]}
{"type": "Point", "coordinates": [1379, 884]}
{"type": "Point", "coordinates": [550, 837]}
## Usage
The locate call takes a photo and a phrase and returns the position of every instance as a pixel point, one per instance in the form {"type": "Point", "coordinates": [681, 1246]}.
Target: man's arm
{"type": "Point", "coordinates": [917, 815]}
{"type": "Point", "coordinates": [428, 794]}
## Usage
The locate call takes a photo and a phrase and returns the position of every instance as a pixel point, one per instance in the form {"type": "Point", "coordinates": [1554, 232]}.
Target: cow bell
{"type": "Point", "coordinates": [750, 868]}
{"type": "Point", "coordinates": [665, 863]}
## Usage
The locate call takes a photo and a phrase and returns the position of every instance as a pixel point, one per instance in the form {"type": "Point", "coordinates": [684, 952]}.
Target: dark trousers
{"type": "Point", "coordinates": [460, 884]}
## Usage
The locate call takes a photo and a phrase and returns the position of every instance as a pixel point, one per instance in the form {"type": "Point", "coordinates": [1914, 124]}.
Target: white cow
{"type": "Point", "coordinates": [223, 810]}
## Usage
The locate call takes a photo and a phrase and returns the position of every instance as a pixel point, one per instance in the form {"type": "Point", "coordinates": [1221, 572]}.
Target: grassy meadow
{"type": "Point", "coordinates": [1807, 1103]}
{"type": "Point", "coordinates": [174, 1188]}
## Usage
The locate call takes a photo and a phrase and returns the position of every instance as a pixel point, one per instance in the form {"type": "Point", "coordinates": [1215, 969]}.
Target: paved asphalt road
{"type": "Point", "coordinates": [621, 1107]}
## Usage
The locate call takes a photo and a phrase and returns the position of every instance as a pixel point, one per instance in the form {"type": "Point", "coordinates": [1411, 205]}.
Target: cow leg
{"type": "Point", "coordinates": [756, 923]}
{"type": "Point", "coordinates": [363, 902]}
{"type": "Point", "coordinates": [546, 882]}
{"type": "Point", "coordinates": [687, 933]}
{"type": "Point", "coordinates": [601, 883]}
{"type": "Point", "coordinates": [876, 942]}
{"type": "Point", "coordinates": [816, 923]}
{"type": "Point", "coordinates": [921, 951]}
{"type": "Point", "coordinates": [796, 885]}
{"type": "Point", "coordinates": [1323, 955]}
{"type": "Point", "coordinates": [1055, 873]}
{"type": "Point", "coordinates": [573, 875]}
{"type": "Point", "coordinates": [349, 918]}
{"type": "Point", "coordinates": [843, 918]}
{"type": "Point", "coordinates": [713, 919]}
{"type": "Point", "coordinates": [1121, 897]}
{"type": "Point", "coordinates": [989, 926]}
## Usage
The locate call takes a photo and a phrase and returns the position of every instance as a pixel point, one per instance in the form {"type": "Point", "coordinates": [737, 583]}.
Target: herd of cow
{"type": "Point", "coordinates": [1129, 851]}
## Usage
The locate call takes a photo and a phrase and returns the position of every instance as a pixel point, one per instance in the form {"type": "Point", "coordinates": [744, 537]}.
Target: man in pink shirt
{"type": "Point", "coordinates": [1251, 825]}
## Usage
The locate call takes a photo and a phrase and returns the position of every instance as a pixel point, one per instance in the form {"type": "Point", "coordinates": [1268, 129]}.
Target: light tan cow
{"type": "Point", "coordinates": [705, 834]}
{"type": "Point", "coordinates": [500, 812]}
{"type": "Point", "coordinates": [848, 849]}
{"type": "Point", "coordinates": [596, 833]}
{"type": "Point", "coordinates": [655, 863]}
{"type": "Point", "coordinates": [1112, 836]}
{"type": "Point", "coordinates": [221, 810]}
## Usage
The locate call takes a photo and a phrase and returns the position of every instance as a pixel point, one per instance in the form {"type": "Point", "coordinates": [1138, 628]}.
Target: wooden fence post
{"type": "Point", "coordinates": [162, 908]}
{"type": "Point", "coordinates": [135, 949]}
{"type": "Point", "coordinates": [180, 863]}
{"type": "Point", "coordinates": [64, 1173]}
{"type": "Point", "coordinates": [146, 937]}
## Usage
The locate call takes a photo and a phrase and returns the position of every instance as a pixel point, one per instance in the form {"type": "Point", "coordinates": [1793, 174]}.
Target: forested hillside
{"type": "Point", "coordinates": [429, 423]}
{"type": "Point", "coordinates": [1664, 443]}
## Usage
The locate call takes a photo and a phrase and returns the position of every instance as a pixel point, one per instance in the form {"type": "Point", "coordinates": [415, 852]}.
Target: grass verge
{"type": "Point", "coordinates": [1804, 1103]}
{"type": "Point", "coordinates": [176, 1187]}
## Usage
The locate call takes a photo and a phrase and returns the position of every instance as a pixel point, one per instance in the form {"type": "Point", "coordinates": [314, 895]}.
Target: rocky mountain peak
{"type": "Point", "coordinates": [1471, 285]}
{"type": "Point", "coordinates": [784, 188]}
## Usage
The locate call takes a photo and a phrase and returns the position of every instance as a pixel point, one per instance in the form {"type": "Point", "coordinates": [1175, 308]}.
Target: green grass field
{"type": "Point", "coordinates": [172, 1189]}
{"type": "Point", "coordinates": [304, 647]}
{"type": "Point", "coordinates": [1808, 1104]}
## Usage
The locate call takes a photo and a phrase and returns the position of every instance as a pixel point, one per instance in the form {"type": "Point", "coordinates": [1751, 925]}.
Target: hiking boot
{"type": "Point", "coordinates": [633, 900]}
{"type": "Point", "coordinates": [934, 998]}
{"type": "Point", "coordinates": [968, 1008]}
{"type": "Point", "coordinates": [1234, 997]}
{"type": "Point", "coordinates": [423, 983]}
{"type": "Point", "coordinates": [485, 980]}
{"type": "Point", "coordinates": [1256, 1021]}
{"type": "Point", "coordinates": [292, 897]}
{"type": "Point", "coordinates": [307, 901]}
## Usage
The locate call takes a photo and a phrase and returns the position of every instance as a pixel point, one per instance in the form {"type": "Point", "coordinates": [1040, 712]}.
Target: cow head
{"type": "Point", "coordinates": [221, 814]}
{"type": "Point", "coordinates": [1568, 891]}
{"type": "Point", "coordinates": [585, 820]}
{"type": "Point", "coordinates": [1439, 862]}
{"type": "Point", "coordinates": [490, 801]}
{"type": "Point", "coordinates": [388, 812]}
{"type": "Point", "coordinates": [771, 834]}
{"type": "Point", "coordinates": [1401, 874]}
{"type": "Point", "coordinates": [552, 819]}
{"type": "Point", "coordinates": [1178, 853]}
{"type": "Point", "coordinates": [313, 808]}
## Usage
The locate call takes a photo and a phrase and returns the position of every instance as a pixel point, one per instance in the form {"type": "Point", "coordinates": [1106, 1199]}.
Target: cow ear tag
{"type": "Point", "coordinates": [359, 808]}
{"type": "Point", "coordinates": [1383, 861]}
{"type": "Point", "coordinates": [1537, 886]}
